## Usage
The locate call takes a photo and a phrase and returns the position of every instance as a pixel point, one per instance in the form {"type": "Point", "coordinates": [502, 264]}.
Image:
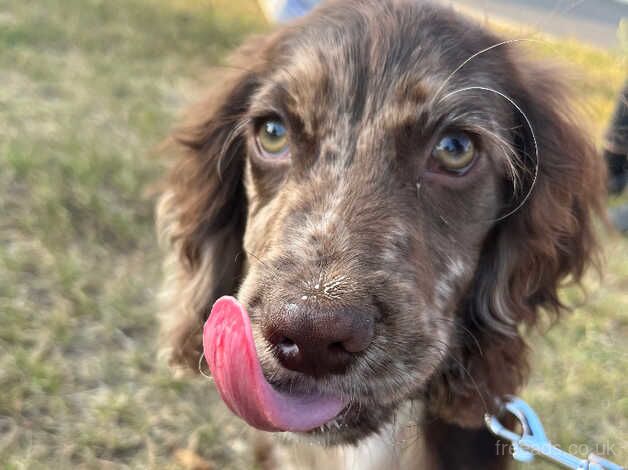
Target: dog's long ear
{"type": "Point", "coordinates": [530, 253]}
{"type": "Point", "coordinates": [202, 210]}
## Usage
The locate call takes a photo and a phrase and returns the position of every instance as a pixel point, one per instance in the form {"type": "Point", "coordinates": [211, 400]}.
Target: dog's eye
{"type": "Point", "coordinates": [272, 138]}
{"type": "Point", "coordinates": [454, 153]}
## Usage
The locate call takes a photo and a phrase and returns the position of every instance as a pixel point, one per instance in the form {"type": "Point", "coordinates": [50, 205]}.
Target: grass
{"type": "Point", "coordinates": [87, 89]}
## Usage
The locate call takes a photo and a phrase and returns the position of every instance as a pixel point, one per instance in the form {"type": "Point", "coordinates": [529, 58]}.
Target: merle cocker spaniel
{"type": "Point", "coordinates": [392, 192]}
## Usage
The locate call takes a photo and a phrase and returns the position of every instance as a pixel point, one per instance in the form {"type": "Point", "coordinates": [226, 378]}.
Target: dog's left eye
{"type": "Point", "coordinates": [454, 153]}
{"type": "Point", "coordinates": [272, 138]}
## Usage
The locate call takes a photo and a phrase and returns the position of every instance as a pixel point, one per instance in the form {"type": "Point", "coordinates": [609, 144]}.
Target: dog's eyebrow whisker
{"type": "Point", "coordinates": [532, 134]}
{"type": "Point", "coordinates": [510, 156]}
{"type": "Point", "coordinates": [235, 132]}
{"type": "Point", "coordinates": [477, 54]}
{"type": "Point", "coordinates": [489, 129]}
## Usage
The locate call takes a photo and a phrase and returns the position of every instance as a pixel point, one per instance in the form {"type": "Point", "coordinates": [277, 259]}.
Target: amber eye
{"type": "Point", "coordinates": [454, 152]}
{"type": "Point", "coordinates": [272, 138]}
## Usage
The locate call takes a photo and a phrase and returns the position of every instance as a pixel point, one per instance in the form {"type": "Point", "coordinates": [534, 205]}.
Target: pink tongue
{"type": "Point", "coordinates": [230, 353]}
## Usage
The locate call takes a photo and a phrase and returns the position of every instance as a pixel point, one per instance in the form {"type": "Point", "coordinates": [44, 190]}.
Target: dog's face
{"type": "Point", "coordinates": [374, 168]}
{"type": "Point", "coordinates": [371, 189]}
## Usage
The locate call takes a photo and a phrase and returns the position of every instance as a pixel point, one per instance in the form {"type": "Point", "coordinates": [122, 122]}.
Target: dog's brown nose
{"type": "Point", "coordinates": [319, 341]}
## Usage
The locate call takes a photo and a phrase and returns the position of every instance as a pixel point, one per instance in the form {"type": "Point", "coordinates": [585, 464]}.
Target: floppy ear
{"type": "Point", "coordinates": [529, 254]}
{"type": "Point", "coordinates": [202, 210]}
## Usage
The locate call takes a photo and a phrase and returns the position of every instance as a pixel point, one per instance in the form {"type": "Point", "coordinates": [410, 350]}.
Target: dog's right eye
{"type": "Point", "coordinates": [272, 139]}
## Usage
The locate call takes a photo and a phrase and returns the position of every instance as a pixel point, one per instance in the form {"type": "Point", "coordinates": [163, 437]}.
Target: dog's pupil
{"type": "Point", "coordinates": [275, 130]}
{"type": "Point", "coordinates": [454, 145]}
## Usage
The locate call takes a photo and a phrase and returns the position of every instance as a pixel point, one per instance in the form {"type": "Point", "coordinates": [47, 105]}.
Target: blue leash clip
{"type": "Point", "coordinates": [533, 442]}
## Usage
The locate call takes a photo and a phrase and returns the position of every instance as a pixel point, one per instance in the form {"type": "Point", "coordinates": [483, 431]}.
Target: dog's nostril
{"type": "Point", "coordinates": [287, 347]}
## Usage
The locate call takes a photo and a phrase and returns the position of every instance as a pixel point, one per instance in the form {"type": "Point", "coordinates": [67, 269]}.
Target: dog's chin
{"type": "Point", "coordinates": [365, 415]}
{"type": "Point", "coordinates": [357, 422]}
{"type": "Point", "coordinates": [362, 417]}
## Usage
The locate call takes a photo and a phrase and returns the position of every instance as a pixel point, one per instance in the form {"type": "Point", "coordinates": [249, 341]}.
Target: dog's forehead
{"type": "Point", "coordinates": [349, 82]}
{"type": "Point", "coordinates": [368, 67]}
{"type": "Point", "coordinates": [338, 84]}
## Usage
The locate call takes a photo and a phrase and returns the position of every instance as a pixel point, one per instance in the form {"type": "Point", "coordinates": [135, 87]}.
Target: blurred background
{"type": "Point", "coordinates": [88, 90]}
{"type": "Point", "coordinates": [591, 21]}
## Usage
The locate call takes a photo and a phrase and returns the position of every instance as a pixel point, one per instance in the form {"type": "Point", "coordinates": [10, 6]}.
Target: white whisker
{"type": "Point", "coordinates": [233, 134]}
{"type": "Point", "coordinates": [494, 46]}
{"type": "Point", "coordinates": [529, 124]}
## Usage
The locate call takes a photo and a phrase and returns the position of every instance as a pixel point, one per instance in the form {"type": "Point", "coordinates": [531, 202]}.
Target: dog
{"type": "Point", "coordinates": [394, 193]}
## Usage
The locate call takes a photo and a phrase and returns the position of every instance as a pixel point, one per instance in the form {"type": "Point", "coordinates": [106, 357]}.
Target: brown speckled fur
{"type": "Point", "coordinates": [366, 88]}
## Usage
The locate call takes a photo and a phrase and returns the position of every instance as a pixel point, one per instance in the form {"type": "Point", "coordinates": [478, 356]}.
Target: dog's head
{"type": "Point", "coordinates": [391, 191]}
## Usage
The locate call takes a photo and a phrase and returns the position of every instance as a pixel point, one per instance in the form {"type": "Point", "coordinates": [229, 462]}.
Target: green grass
{"type": "Point", "coordinates": [87, 89]}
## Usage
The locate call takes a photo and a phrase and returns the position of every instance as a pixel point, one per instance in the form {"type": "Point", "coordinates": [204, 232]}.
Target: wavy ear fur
{"type": "Point", "coordinates": [201, 213]}
{"type": "Point", "coordinates": [528, 255]}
